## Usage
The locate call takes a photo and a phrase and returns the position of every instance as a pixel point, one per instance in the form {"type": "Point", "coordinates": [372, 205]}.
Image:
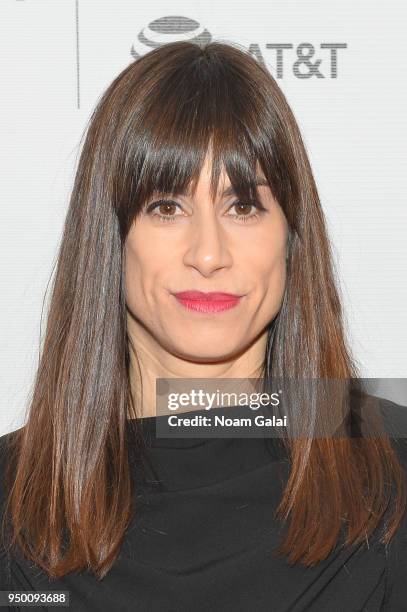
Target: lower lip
{"type": "Point", "coordinates": [209, 306]}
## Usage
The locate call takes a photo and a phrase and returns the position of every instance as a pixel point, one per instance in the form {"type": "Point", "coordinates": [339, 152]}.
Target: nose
{"type": "Point", "coordinates": [207, 248]}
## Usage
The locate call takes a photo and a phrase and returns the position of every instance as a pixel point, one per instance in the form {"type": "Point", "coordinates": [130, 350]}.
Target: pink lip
{"type": "Point", "coordinates": [207, 302]}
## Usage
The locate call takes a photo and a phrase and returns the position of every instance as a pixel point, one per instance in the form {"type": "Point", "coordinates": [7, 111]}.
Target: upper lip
{"type": "Point", "coordinates": [203, 295]}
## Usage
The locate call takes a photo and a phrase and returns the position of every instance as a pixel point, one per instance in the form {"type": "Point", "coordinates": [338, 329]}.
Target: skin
{"type": "Point", "coordinates": [207, 248]}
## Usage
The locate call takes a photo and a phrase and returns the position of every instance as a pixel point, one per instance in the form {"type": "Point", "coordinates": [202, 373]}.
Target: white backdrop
{"type": "Point", "coordinates": [58, 56]}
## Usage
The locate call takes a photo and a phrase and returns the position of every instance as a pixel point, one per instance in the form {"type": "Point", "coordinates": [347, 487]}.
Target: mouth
{"type": "Point", "coordinates": [210, 302]}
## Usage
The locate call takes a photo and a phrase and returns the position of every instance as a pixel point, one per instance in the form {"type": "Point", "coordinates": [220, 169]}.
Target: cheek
{"type": "Point", "coordinates": [143, 273]}
{"type": "Point", "coordinates": [273, 279]}
{"type": "Point", "coordinates": [269, 265]}
{"type": "Point", "coordinates": [268, 254]}
{"type": "Point", "coordinates": [147, 269]}
{"type": "Point", "coordinates": [277, 284]}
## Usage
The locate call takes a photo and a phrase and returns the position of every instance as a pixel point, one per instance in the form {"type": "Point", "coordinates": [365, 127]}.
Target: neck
{"type": "Point", "coordinates": [149, 361]}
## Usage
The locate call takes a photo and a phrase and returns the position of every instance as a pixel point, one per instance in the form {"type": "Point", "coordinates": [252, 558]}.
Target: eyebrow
{"type": "Point", "coordinates": [259, 180]}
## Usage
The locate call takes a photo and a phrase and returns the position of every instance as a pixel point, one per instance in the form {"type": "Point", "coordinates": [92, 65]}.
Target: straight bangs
{"type": "Point", "coordinates": [199, 107]}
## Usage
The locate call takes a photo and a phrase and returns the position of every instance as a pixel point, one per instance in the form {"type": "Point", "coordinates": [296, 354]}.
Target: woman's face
{"type": "Point", "coordinates": [201, 245]}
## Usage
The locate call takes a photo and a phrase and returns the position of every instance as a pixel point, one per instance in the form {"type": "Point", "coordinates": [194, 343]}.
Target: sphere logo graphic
{"type": "Point", "coordinates": [167, 29]}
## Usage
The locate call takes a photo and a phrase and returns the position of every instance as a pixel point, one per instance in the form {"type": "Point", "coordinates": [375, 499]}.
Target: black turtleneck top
{"type": "Point", "coordinates": [204, 535]}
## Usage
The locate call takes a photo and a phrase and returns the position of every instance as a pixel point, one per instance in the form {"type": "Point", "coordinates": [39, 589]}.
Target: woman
{"type": "Point", "coordinates": [194, 178]}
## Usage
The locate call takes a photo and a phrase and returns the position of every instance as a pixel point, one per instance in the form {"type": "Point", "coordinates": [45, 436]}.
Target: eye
{"type": "Point", "coordinates": [167, 209]}
{"type": "Point", "coordinates": [244, 210]}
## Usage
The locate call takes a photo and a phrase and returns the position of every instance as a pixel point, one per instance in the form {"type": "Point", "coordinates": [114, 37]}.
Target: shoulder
{"type": "Point", "coordinates": [8, 454]}
{"type": "Point", "coordinates": [395, 425]}
{"type": "Point", "coordinates": [7, 448]}
{"type": "Point", "coordinates": [394, 417]}
{"type": "Point", "coordinates": [368, 408]}
{"type": "Point", "coordinates": [375, 414]}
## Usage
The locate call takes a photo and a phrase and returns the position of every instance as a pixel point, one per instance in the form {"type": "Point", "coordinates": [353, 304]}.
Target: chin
{"type": "Point", "coordinates": [206, 352]}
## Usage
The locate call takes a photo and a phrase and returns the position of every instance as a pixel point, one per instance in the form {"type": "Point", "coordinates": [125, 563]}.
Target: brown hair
{"type": "Point", "coordinates": [70, 499]}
